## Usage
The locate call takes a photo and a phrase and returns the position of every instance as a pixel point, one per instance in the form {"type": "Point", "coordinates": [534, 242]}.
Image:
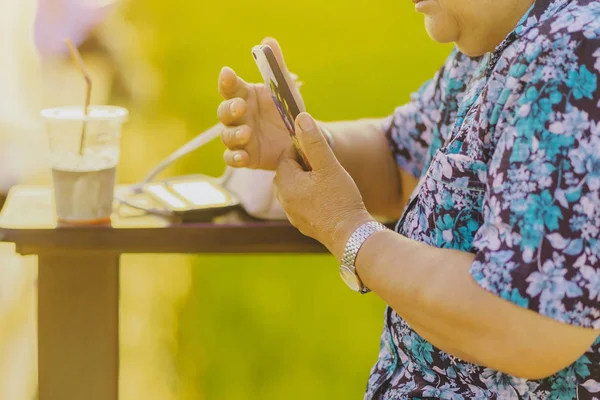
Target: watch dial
{"type": "Point", "coordinates": [350, 279]}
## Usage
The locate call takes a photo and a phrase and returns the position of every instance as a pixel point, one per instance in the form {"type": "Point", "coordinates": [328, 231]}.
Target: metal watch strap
{"type": "Point", "coordinates": [355, 242]}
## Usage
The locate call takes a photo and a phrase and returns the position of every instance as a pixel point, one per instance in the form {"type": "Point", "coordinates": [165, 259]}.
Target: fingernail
{"type": "Point", "coordinates": [238, 134]}
{"type": "Point", "coordinates": [237, 157]}
{"type": "Point", "coordinates": [233, 109]}
{"type": "Point", "coordinates": [306, 123]}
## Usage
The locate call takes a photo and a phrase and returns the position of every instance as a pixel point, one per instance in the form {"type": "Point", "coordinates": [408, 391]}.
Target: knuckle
{"type": "Point", "coordinates": [240, 104]}
{"type": "Point", "coordinates": [241, 135]}
{"type": "Point", "coordinates": [313, 138]}
{"type": "Point", "coordinates": [224, 136]}
{"type": "Point", "coordinates": [222, 110]}
{"type": "Point", "coordinates": [227, 86]}
{"type": "Point", "coordinates": [231, 137]}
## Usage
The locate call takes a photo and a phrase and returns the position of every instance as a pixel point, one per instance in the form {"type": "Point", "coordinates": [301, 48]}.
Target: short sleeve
{"type": "Point", "coordinates": [418, 127]}
{"type": "Point", "coordinates": [539, 245]}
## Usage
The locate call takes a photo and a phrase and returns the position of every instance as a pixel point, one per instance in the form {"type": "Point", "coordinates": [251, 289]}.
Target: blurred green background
{"type": "Point", "coordinates": [263, 326]}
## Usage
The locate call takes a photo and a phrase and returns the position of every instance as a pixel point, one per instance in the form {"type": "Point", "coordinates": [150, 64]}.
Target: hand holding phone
{"type": "Point", "coordinates": [281, 94]}
{"type": "Point", "coordinates": [254, 132]}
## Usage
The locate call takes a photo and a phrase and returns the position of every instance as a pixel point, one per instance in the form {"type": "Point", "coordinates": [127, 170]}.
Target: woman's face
{"type": "Point", "coordinates": [476, 26]}
{"type": "Point", "coordinates": [441, 18]}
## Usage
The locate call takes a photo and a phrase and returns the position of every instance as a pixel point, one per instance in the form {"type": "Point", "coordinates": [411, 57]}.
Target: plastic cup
{"type": "Point", "coordinates": [84, 175]}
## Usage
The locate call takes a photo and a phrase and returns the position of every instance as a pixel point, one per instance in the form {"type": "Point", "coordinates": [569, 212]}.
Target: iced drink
{"type": "Point", "coordinates": [84, 173]}
{"type": "Point", "coordinates": [83, 189]}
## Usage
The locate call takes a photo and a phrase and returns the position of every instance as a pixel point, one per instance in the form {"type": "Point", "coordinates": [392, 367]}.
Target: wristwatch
{"type": "Point", "coordinates": [357, 239]}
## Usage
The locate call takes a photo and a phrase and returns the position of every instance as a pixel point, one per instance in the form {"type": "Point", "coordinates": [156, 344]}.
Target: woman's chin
{"type": "Point", "coordinates": [442, 30]}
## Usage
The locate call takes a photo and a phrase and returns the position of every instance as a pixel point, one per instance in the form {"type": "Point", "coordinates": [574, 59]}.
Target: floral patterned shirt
{"type": "Point", "coordinates": [507, 149]}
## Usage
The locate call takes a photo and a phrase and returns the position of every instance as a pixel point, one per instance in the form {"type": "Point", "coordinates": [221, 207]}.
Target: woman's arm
{"type": "Point", "coordinates": [434, 292]}
{"type": "Point", "coordinates": [364, 151]}
{"type": "Point", "coordinates": [459, 301]}
{"type": "Point", "coordinates": [527, 301]}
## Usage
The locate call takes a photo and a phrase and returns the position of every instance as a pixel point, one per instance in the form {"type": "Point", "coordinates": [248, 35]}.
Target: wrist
{"type": "Point", "coordinates": [344, 229]}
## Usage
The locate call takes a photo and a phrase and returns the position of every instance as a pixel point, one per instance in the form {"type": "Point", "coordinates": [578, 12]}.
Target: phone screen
{"type": "Point", "coordinates": [281, 93]}
{"type": "Point", "coordinates": [200, 194]}
{"type": "Point", "coordinates": [188, 194]}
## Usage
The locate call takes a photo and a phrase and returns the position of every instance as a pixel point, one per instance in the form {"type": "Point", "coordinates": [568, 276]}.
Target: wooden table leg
{"type": "Point", "coordinates": [78, 326]}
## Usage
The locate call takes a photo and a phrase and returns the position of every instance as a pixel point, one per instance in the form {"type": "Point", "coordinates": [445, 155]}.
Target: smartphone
{"type": "Point", "coordinates": [192, 198]}
{"type": "Point", "coordinates": [281, 93]}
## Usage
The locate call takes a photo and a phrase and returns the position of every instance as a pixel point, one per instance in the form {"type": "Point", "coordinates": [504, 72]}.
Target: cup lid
{"type": "Point", "coordinates": [76, 113]}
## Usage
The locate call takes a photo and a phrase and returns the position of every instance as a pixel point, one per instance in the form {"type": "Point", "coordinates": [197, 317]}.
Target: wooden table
{"type": "Point", "coordinates": [78, 280]}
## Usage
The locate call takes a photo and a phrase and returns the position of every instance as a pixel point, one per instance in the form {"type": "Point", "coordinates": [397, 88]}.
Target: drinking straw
{"type": "Point", "coordinates": [88, 80]}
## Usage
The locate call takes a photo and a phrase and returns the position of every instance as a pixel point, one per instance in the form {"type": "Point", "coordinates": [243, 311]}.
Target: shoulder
{"type": "Point", "coordinates": [555, 67]}
{"type": "Point", "coordinates": [552, 92]}
{"type": "Point", "coordinates": [579, 18]}
{"type": "Point", "coordinates": [569, 38]}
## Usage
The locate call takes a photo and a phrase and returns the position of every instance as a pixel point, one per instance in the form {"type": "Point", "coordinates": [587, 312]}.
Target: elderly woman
{"type": "Point", "coordinates": [492, 275]}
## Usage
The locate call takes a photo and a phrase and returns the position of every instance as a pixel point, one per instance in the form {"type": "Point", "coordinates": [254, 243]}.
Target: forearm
{"type": "Point", "coordinates": [363, 150]}
{"type": "Point", "coordinates": [432, 290]}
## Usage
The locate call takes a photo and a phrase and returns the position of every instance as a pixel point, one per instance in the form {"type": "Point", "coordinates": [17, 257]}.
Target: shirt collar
{"type": "Point", "coordinates": [540, 11]}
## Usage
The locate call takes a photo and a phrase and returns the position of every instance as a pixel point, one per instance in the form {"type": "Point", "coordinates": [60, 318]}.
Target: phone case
{"type": "Point", "coordinates": [281, 93]}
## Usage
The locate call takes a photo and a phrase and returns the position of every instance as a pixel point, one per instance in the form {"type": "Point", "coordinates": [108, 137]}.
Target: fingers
{"type": "Point", "coordinates": [287, 165]}
{"type": "Point", "coordinates": [231, 112]}
{"type": "Point", "coordinates": [231, 85]}
{"type": "Point", "coordinates": [236, 137]}
{"type": "Point", "coordinates": [286, 73]}
{"type": "Point", "coordinates": [289, 155]}
{"type": "Point", "coordinates": [274, 45]}
{"type": "Point", "coordinates": [236, 158]}
{"type": "Point", "coordinates": [315, 146]}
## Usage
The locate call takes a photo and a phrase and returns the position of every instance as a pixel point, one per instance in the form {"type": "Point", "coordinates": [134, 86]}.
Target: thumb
{"type": "Point", "coordinates": [313, 143]}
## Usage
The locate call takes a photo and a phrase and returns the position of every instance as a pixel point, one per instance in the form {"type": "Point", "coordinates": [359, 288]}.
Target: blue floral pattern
{"type": "Point", "coordinates": [507, 149]}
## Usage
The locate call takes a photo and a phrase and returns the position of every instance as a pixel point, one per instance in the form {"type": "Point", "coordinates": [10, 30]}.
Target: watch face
{"type": "Point", "coordinates": [350, 278]}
